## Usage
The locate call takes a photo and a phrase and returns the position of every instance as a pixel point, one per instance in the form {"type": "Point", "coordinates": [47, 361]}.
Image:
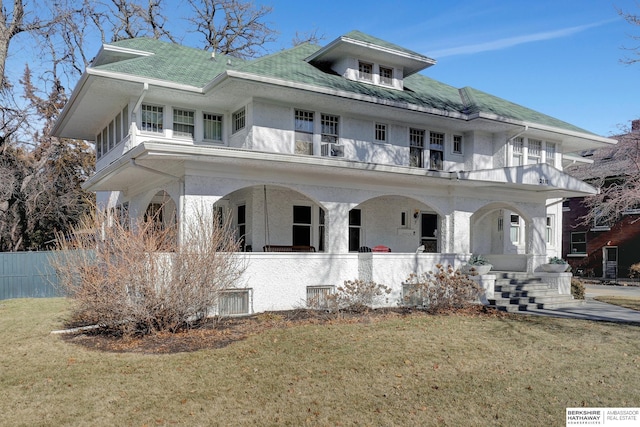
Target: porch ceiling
{"type": "Point", "coordinates": [157, 161]}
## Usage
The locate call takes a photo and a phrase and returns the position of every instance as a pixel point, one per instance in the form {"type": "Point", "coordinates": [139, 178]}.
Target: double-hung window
{"type": "Point", "coordinates": [238, 119]}
{"type": "Point", "coordinates": [535, 151]}
{"type": "Point", "coordinates": [183, 123]}
{"type": "Point", "coordinates": [550, 151]}
{"type": "Point", "coordinates": [416, 147]}
{"type": "Point", "coordinates": [152, 118]}
{"type": "Point", "coordinates": [329, 125]}
{"type": "Point", "coordinates": [301, 226]}
{"type": "Point", "coordinates": [436, 151]}
{"type": "Point", "coordinates": [381, 132]}
{"type": "Point", "coordinates": [303, 126]}
{"type": "Point", "coordinates": [457, 144]}
{"type": "Point", "coordinates": [386, 76]}
{"type": "Point", "coordinates": [365, 71]}
{"type": "Point", "coordinates": [549, 235]}
{"type": "Point", "coordinates": [579, 242]}
{"type": "Point", "coordinates": [517, 146]}
{"type": "Point", "coordinates": [212, 124]}
{"type": "Point", "coordinates": [355, 225]}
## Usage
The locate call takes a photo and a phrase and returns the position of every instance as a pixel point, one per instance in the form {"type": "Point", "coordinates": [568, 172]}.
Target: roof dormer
{"type": "Point", "coordinates": [361, 57]}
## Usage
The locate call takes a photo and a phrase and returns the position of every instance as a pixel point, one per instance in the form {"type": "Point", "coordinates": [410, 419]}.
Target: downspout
{"type": "Point", "coordinates": [145, 89]}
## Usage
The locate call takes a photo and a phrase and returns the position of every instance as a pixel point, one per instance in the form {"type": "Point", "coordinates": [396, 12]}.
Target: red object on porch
{"type": "Point", "coordinates": [381, 248]}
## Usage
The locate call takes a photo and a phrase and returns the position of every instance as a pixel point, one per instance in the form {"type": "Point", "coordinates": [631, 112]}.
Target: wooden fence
{"type": "Point", "coordinates": [27, 275]}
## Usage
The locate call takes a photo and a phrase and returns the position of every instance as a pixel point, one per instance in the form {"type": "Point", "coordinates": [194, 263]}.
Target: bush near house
{"type": "Point", "coordinates": [139, 280]}
{"type": "Point", "coordinates": [577, 288]}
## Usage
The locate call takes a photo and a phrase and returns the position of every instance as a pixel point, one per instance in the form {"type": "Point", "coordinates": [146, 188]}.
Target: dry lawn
{"type": "Point", "coordinates": [627, 302]}
{"type": "Point", "coordinates": [392, 370]}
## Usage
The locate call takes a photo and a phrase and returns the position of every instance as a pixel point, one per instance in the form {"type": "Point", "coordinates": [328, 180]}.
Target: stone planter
{"type": "Point", "coordinates": [554, 268]}
{"type": "Point", "coordinates": [477, 270]}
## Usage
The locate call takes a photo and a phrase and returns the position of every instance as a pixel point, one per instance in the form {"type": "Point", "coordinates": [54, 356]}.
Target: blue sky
{"type": "Point", "coordinates": [560, 57]}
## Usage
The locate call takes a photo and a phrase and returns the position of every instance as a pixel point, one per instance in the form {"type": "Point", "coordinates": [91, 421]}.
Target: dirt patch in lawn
{"type": "Point", "coordinates": [218, 333]}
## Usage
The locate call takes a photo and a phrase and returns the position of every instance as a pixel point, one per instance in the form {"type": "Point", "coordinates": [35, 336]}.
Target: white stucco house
{"type": "Point", "coordinates": [323, 153]}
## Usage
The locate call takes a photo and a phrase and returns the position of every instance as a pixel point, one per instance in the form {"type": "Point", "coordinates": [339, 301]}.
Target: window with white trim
{"type": "Point", "coordinates": [436, 151]}
{"type": "Point", "coordinates": [329, 128]}
{"type": "Point", "coordinates": [183, 123]}
{"type": "Point", "coordinates": [386, 76]}
{"type": "Point", "coordinates": [517, 146]}
{"type": "Point", "coordinates": [303, 126]}
{"type": "Point", "coordinates": [238, 120]}
{"type": "Point", "coordinates": [381, 132]}
{"type": "Point", "coordinates": [550, 229]}
{"type": "Point", "coordinates": [112, 135]}
{"type": "Point", "coordinates": [550, 151]}
{"type": "Point", "coordinates": [212, 126]}
{"type": "Point", "coordinates": [355, 226]}
{"type": "Point", "coordinates": [457, 144]}
{"type": "Point", "coordinates": [365, 71]}
{"type": "Point", "coordinates": [301, 234]}
{"type": "Point", "coordinates": [515, 229]}
{"type": "Point", "coordinates": [416, 147]}
{"type": "Point", "coordinates": [152, 118]}
{"type": "Point", "coordinates": [321, 229]}
{"type": "Point", "coordinates": [535, 151]}
{"type": "Point", "coordinates": [579, 242]}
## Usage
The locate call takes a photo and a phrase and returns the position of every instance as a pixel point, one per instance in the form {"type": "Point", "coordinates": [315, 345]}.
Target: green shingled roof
{"type": "Point", "coordinates": [357, 35]}
{"type": "Point", "coordinates": [184, 65]}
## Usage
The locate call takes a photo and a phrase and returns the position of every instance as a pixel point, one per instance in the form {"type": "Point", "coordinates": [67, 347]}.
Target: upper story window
{"type": "Point", "coordinates": [550, 150]}
{"type": "Point", "coordinates": [152, 118]}
{"type": "Point", "coordinates": [416, 147]}
{"type": "Point", "coordinates": [329, 124]}
{"type": "Point", "coordinates": [518, 150]}
{"type": "Point", "coordinates": [535, 151]}
{"type": "Point", "coordinates": [381, 132]}
{"type": "Point", "coordinates": [183, 123]}
{"type": "Point", "coordinates": [365, 71]}
{"type": "Point", "coordinates": [436, 150]}
{"type": "Point", "coordinates": [212, 124]}
{"type": "Point", "coordinates": [457, 144]}
{"type": "Point", "coordinates": [303, 126]}
{"type": "Point", "coordinates": [303, 121]}
{"type": "Point", "coordinates": [112, 134]}
{"type": "Point", "coordinates": [386, 76]}
{"type": "Point", "coordinates": [238, 119]}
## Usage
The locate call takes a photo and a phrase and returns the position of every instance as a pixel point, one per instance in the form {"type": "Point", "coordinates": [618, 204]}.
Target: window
{"type": "Point", "coordinates": [329, 131]}
{"type": "Point", "coordinates": [381, 132]}
{"type": "Point", "coordinates": [183, 123]}
{"type": "Point", "coordinates": [535, 151]}
{"type": "Point", "coordinates": [125, 121]}
{"type": "Point", "coordinates": [579, 242]}
{"type": "Point", "coordinates": [152, 118]}
{"type": "Point", "coordinates": [515, 229]}
{"type": "Point", "coordinates": [457, 144]}
{"type": "Point", "coordinates": [303, 126]}
{"type": "Point", "coordinates": [321, 229]}
{"type": "Point", "coordinates": [550, 149]}
{"type": "Point", "coordinates": [238, 119]}
{"type": "Point", "coordinates": [212, 124]}
{"type": "Point", "coordinates": [416, 147]}
{"type": "Point", "coordinates": [436, 151]}
{"type": "Point", "coordinates": [118, 128]}
{"type": "Point", "coordinates": [301, 226]}
{"type": "Point", "coordinates": [386, 76]}
{"type": "Point", "coordinates": [365, 71]}
{"type": "Point", "coordinates": [517, 145]}
{"type": "Point", "coordinates": [355, 224]}
{"type": "Point", "coordinates": [99, 151]}
{"type": "Point", "coordinates": [233, 302]}
{"type": "Point", "coordinates": [242, 226]}
{"type": "Point", "coordinates": [549, 234]}
{"type": "Point", "coordinates": [112, 135]}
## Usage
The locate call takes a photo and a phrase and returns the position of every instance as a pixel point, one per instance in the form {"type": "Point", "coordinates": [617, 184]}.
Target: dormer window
{"type": "Point", "coordinates": [365, 71]}
{"type": "Point", "coordinates": [386, 76]}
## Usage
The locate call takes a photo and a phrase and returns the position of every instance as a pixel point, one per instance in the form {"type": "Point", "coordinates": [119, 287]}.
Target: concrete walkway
{"type": "Point", "coordinates": [596, 310]}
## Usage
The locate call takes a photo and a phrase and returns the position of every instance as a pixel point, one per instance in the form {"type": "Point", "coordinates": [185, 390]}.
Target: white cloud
{"type": "Point", "coordinates": [514, 41]}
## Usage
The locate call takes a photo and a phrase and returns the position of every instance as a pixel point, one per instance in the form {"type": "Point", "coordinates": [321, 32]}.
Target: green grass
{"type": "Point", "coordinates": [627, 302]}
{"type": "Point", "coordinates": [421, 370]}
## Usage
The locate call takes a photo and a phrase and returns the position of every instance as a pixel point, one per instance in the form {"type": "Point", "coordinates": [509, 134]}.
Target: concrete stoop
{"type": "Point", "coordinates": [516, 292]}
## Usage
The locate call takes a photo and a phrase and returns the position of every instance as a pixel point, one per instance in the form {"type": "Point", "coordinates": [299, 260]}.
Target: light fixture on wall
{"type": "Point", "coordinates": [416, 213]}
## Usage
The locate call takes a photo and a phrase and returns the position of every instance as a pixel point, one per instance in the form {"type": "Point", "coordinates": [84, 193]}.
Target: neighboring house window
{"type": "Point", "coordinates": [152, 118]}
{"type": "Point", "coordinates": [355, 224]}
{"type": "Point", "coordinates": [212, 124]}
{"type": "Point", "coordinates": [381, 132]}
{"type": "Point", "coordinates": [550, 150]}
{"type": "Point", "coordinates": [183, 123]}
{"type": "Point", "coordinates": [329, 130]}
{"type": "Point", "coordinates": [301, 226]}
{"type": "Point", "coordinates": [365, 71]}
{"type": "Point", "coordinates": [242, 225]}
{"type": "Point", "coordinates": [515, 229]}
{"type": "Point", "coordinates": [238, 119]}
{"type": "Point", "coordinates": [550, 228]}
{"type": "Point", "coordinates": [579, 242]}
{"type": "Point", "coordinates": [303, 125]}
{"type": "Point", "coordinates": [416, 147]}
{"type": "Point", "coordinates": [436, 151]}
{"type": "Point", "coordinates": [517, 146]}
{"type": "Point", "coordinates": [457, 144]}
{"type": "Point", "coordinates": [233, 302]}
{"type": "Point", "coordinates": [386, 76]}
{"type": "Point", "coordinates": [535, 151]}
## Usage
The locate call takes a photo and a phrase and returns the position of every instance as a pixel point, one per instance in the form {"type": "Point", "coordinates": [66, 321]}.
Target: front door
{"type": "Point", "coordinates": [610, 262]}
{"type": "Point", "coordinates": [429, 232]}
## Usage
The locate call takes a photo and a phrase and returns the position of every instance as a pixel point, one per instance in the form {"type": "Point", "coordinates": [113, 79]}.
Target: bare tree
{"type": "Point", "coordinates": [232, 27]}
{"type": "Point", "coordinates": [307, 37]}
{"type": "Point", "coordinates": [634, 20]}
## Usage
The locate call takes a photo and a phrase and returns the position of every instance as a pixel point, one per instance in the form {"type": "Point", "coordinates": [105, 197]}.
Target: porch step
{"type": "Point", "coordinates": [517, 292]}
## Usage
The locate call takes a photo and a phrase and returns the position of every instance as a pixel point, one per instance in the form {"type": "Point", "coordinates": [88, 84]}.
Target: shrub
{"type": "Point", "coordinates": [118, 278]}
{"type": "Point", "coordinates": [442, 290]}
{"type": "Point", "coordinates": [357, 295]}
{"type": "Point", "coordinates": [556, 260]}
{"type": "Point", "coordinates": [577, 288]}
{"type": "Point", "coordinates": [478, 260]}
{"type": "Point", "coordinates": [634, 270]}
